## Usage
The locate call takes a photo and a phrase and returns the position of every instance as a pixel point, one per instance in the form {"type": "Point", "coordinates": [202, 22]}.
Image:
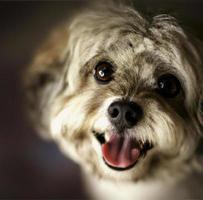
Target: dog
{"type": "Point", "coordinates": [122, 97]}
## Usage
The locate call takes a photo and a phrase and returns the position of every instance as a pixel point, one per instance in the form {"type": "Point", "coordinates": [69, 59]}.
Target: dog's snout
{"type": "Point", "coordinates": [125, 114]}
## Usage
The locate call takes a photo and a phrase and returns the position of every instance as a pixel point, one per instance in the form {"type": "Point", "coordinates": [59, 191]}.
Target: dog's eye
{"type": "Point", "coordinates": [103, 72]}
{"type": "Point", "coordinates": [168, 86]}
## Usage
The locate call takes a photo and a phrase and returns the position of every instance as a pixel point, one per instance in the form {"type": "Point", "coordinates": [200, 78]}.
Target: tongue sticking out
{"type": "Point", "coordinates": [120, 152]}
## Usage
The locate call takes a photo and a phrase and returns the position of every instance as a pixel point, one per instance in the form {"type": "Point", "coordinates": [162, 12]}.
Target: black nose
{"type": "Point", "coordinates": [124, 114]}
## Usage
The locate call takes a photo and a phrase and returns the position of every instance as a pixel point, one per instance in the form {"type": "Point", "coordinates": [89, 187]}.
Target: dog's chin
{"type": "Point", "coordinates": [123, 156]}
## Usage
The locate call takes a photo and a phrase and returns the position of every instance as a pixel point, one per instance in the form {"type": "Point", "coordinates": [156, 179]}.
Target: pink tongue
{"type": "Point", "coordinates": [119, 151]}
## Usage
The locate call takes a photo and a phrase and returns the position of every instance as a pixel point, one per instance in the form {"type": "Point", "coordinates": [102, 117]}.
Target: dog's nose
{"type": "Point", "coordinates": [125, 114]}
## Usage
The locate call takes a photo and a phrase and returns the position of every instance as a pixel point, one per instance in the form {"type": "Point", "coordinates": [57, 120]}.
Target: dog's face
{"type": "Point", "coordinates": [130, 105]}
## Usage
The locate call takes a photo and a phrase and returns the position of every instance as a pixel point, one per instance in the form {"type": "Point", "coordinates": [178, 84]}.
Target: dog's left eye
{"type": "Point", "coordinates": [168, 86]}
{"type": "Point", "coordinates": [103, 72]}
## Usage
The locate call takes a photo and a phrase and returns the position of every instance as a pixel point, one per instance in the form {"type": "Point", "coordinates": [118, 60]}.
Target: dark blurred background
{"type": "Point", "coordinates": [30, 167]}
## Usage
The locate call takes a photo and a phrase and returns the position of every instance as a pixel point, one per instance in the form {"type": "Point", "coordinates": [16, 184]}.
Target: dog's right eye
{"type": "Point", "coordinates": [103, 72]}
{"type": "Point", "coordinates": [168, 86]}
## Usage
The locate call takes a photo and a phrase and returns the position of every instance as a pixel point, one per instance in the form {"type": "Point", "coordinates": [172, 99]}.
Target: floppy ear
{"type": "Point", "coordinates": [42, 79]}
{"type": "Point", "coordinates": [199, 47]}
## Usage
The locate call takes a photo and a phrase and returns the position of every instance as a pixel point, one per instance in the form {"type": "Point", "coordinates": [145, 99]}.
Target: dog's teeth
{"type": "Point", "coordinates": [107, 137]}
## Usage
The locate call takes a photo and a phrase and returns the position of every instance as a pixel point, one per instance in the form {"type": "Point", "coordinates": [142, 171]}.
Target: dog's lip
{"type": "Point", "coordinates": [120, 168]}
{"type": "Point", "coordinates": [142, 146]}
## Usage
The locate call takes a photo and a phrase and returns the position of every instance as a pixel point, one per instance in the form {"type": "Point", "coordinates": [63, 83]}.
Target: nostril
{"type": "Point", "coordinates": [133, 113]}
{"type": "Point", "coordinates": [114, 112]}
{"type": "Point", "coordinates": [130, 117]}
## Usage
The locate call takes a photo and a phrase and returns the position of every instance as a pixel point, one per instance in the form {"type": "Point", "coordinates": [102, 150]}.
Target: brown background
{"type": "Point", "coordinates": [30, 167]}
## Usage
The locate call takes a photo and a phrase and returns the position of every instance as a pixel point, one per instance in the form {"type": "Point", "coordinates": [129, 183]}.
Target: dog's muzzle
{"type": "Point", "coordinates": [122, 151]}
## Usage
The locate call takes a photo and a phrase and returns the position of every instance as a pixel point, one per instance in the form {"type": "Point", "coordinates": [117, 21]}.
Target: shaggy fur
{"type": "Point", "coordinates": [69, 106]}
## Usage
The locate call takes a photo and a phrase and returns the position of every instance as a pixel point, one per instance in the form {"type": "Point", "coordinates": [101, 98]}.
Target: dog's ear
{"type": "Point", "coordinates": [42, 80]}
{"type": "Point", "coordinates": [199, 47]}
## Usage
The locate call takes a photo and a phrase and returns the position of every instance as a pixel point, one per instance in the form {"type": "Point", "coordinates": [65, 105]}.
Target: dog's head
{"type": "Point", "coordinates": [127, 102]}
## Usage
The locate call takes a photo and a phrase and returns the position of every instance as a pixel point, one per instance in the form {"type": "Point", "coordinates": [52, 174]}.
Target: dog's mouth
{"type": "Point", "coordinates": [122, 152]}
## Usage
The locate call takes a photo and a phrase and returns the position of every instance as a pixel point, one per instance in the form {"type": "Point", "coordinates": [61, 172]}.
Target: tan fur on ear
{"type": "Point", "coordinates": [43, 75]}
{"type": "Point", "coordinates": [199, 48]}
{"type": "Point", "coordinates": [51, 53]}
